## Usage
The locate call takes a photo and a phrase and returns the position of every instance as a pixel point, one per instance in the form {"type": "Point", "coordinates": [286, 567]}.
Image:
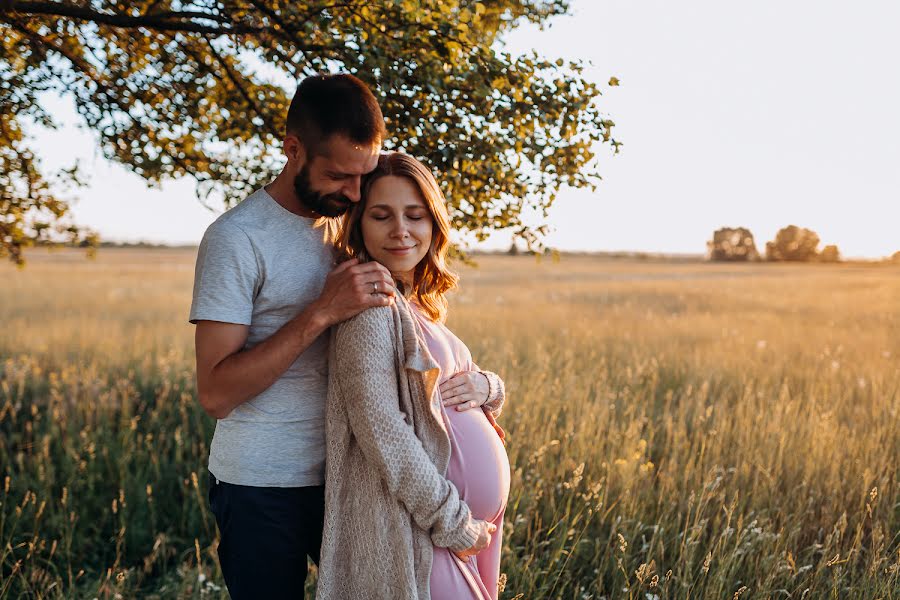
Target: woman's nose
{"type": "Point", "coordinates": [400, 230]}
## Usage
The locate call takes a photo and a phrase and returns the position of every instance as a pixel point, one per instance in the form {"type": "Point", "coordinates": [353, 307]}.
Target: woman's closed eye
{"type": "Point", "coordinates": [413, 217]}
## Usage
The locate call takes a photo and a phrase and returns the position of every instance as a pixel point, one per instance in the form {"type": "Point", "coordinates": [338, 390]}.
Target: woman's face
{"type": "Point", "coordinates": [396, 225]}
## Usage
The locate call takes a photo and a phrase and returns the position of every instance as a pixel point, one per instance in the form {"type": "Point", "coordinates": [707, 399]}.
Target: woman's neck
{"type": "Point", "coordinates": [406, 279]}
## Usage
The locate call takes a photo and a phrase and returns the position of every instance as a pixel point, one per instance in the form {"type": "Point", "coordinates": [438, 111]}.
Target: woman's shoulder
{"type": "Point", "coordinates": [376, 320]}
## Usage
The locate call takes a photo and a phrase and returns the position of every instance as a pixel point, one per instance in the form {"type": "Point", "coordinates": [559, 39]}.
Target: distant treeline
{"type": "Point", "coordinates": [98, 244]}
{"type": "Point", "coordinates": [792, 243]}
{"type": "Point", "coordinates": [729, 244]}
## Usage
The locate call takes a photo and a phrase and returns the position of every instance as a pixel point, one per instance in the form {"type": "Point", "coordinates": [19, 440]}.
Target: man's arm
{"type": "Point", "coordinates": [228, 376]}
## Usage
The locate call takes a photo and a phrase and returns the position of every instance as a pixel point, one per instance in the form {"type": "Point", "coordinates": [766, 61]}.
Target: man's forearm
{"type": "Point", "coordinates": [244, 375]}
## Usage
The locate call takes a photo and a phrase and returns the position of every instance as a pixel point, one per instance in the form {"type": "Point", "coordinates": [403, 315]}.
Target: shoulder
{"type": "Point", "coordinates": [368, 338]}
{"type": "Point", "coordinates": [232, 225]}
{"type": "Point", "coordinates": [245, 216]}
{"type": "Point", "coordinates": [377, 321]}
{"type": "Point", "coordinates": [236, 227]}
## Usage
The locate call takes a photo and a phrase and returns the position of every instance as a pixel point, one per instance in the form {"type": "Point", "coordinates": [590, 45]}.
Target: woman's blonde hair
{"type": "Point", "coordinates": [432, 279]}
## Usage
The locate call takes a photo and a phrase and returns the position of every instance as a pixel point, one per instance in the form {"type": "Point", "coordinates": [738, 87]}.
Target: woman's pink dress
{"type": "Point", "coordinates": [479, 468]}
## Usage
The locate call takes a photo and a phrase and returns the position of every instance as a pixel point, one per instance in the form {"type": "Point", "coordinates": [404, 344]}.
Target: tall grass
{"type": "Point", "coordinates": [675, 431]}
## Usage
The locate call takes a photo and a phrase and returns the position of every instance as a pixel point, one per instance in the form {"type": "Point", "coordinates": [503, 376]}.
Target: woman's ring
{"type": "Point", "coordinates": [374, 287]}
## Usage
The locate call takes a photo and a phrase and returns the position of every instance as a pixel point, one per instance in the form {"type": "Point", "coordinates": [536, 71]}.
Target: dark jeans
{"type": "Point", "coordinates": [265, 536]}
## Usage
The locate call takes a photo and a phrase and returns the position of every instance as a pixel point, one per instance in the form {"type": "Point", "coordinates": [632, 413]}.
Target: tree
{"type": "Point", "coordinates": [732, 244]}
{"type": "Point", "coordinates": [199, 88]}
{"type": "Point", "coordinates": [830, 254]}
{"type": "Point", "coordinates": [793, 243]}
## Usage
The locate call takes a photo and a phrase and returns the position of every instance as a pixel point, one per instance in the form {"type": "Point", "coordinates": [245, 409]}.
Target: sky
{"type": "Point", "coordinates": [759, 115]}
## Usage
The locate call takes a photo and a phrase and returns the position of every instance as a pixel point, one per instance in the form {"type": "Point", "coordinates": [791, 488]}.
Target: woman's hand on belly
{"type": "Point", "coordinates": [465, 390]}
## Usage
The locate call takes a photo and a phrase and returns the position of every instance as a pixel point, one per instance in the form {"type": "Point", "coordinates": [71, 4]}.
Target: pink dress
{"type": "Point", "coordinates": [479, 468]}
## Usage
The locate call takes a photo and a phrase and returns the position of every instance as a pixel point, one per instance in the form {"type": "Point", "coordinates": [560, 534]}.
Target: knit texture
{"type": "Point", "coordinates": [387, 502]}
{"type": "Point", "coordinates": [496, 393]}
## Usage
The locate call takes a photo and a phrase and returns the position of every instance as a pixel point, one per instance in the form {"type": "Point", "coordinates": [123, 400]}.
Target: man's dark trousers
{"type": "Point", "coordinates": [266, 534]}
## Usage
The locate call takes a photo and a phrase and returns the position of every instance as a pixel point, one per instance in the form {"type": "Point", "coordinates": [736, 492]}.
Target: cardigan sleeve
{"type": "Point", "coordinates": [367, 378]}
{"type": "Point", "coordinates": [496, 393]}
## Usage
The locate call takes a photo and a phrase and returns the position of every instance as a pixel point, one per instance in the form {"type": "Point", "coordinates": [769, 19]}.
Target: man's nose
{"type": "Point", "coordinates": [351, 190]}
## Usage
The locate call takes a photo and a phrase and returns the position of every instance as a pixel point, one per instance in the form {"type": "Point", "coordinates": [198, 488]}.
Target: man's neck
{"type": "Point", "coordinates": [282, 190]}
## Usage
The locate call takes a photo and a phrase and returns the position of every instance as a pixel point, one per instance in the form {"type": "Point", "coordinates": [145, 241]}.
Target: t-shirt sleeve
{"type": "Point", "coordinates": [226, 276]}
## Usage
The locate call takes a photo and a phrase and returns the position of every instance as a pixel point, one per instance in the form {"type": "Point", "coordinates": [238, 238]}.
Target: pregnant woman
{"type": "Point", "coordinates": [416, 473]}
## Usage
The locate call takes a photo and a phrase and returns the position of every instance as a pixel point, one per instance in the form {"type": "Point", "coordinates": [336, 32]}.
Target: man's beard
{"type": "Point", "coordinates": [326, 205]}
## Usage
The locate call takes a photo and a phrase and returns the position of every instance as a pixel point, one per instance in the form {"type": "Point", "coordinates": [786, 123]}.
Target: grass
{"type": "Point", "coordinates": [675, 430]}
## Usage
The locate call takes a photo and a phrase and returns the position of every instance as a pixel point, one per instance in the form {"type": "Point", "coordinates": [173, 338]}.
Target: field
{"type": "Point", "coordinates": [676, 430]}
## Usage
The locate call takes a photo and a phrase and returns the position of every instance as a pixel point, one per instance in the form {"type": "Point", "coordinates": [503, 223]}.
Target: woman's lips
{"type": "Point", "coordinates": [400, 251]}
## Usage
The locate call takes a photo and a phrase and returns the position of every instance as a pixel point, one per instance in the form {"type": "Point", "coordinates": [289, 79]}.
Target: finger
{"type": "Point", "coordinates": [378, 286]}
{"type": "Point", "coordinates": [451, 388]}
{"type": "Point", "coordinates": [457, 398]}
{"type": "Point", "coordinates": [383, 269]}
{"type": "Point", "coordinates": [386, 282]}
{"type": "Point", "coordinates": [467, 406]}
{"type": "Point", "coordinates": [454, 386]}
{"type": "Point", "coordinates": [368, 268]}
{"type": "Point", "coordinates": [458, 392]}
{"type": "Point", "coordinates": [492, 528]}
{"type": "Point", "coordinates": [345, 265]}
{"type": "Point", "coordinates": [378, 300]}
{"type": "Point", "coordinates": [454, 400]}
{"type": "Point", "coordinates": [454, 380]}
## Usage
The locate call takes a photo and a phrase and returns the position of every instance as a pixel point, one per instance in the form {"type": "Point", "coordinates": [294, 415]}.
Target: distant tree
{"type": "Point", "coordinates": [732, 244]}
{"type": "Point", "coordinates": [896, 256]}
{"type": "Point", "coordinates": [513, 249]}
{"type": "Point", "coordinates": [200, 89]}
{"type": "Point", "coordinates": [830, 254]}
{"type": "Point", "coordinates": [793, 244]}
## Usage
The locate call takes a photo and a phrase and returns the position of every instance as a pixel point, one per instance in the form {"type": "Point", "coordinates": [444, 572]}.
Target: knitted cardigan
{"type": "Point", "coordinates": [387, 501]}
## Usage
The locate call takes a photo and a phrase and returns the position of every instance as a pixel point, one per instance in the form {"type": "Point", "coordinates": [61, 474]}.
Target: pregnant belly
{"type": "Point", "coordinates": [479, 467]}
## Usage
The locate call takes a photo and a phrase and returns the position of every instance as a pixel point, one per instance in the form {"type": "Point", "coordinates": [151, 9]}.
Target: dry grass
{"type": "Point", "coordinates": [676, 430]}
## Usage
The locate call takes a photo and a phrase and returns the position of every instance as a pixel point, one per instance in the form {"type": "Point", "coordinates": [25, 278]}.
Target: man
{"type": "Point", "coordinates": [265, 293]}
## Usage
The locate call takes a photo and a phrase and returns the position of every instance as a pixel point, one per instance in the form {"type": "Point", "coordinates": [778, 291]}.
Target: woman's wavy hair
{"type": "Point", "coordinates": [432, 279]}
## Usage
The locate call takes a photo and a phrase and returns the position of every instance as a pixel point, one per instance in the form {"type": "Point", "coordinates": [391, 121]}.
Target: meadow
{"type": "Point", "coordinates": [675, 430]}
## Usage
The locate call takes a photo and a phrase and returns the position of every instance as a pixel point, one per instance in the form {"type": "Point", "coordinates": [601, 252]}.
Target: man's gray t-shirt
{"type": "Point", "coordinates": [261, 265]}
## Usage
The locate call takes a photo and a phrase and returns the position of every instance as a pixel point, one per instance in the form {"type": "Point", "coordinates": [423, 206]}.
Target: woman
{"type": "Point", "coordinates": [415, 490]}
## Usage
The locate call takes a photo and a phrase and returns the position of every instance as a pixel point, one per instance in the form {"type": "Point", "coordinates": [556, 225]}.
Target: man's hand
{"type": "Point", "coordinates": [483, 541]}
{"type": "Point", "coordinates": [465, 390]}
{"type": "Point", "coordinates": [352, 288]}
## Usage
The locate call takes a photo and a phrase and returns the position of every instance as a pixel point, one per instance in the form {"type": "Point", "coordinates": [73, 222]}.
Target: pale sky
{"type": "Point", "coordinates": [758, 114]}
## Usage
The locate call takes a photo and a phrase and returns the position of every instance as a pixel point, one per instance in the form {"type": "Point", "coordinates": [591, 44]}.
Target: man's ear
{"type": "Point", "coordinates": [294, 150]}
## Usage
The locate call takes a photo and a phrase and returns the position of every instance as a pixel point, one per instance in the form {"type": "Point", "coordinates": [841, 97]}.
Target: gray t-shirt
{"type": "Point", "coordinates": [261, 265]}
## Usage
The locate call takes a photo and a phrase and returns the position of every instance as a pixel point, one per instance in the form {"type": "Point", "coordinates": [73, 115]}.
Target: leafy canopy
{"type": "Point", "coordinates": [201, 88]}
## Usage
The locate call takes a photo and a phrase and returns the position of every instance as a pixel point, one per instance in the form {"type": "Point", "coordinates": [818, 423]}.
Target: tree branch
{"type": "Point", "coordinates": [174, 21]}
{"type": "Point", "coordinates": [237, 83]}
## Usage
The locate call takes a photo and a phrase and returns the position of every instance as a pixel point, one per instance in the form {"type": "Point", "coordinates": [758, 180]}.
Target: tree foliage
{"type": "Point", "coordinates": [732, 244]}
{"type": "Point", "coordinates": [200, 88]}
{"type": "Point", "coordinates": [830, 254]}
{"type": "Point", "coordinates": [793, 243]}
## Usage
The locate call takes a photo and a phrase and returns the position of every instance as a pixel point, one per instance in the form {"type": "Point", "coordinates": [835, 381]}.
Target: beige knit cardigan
{"type": "Point", "coordinates": [387, 501]}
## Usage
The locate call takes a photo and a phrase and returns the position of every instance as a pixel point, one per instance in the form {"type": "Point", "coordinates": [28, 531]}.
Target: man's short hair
{"type": "Point", "coordinates": [327, 105]}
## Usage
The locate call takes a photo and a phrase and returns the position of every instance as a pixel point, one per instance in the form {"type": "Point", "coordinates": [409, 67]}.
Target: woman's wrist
{"type": "Point", "coordinates": [468, 535]}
